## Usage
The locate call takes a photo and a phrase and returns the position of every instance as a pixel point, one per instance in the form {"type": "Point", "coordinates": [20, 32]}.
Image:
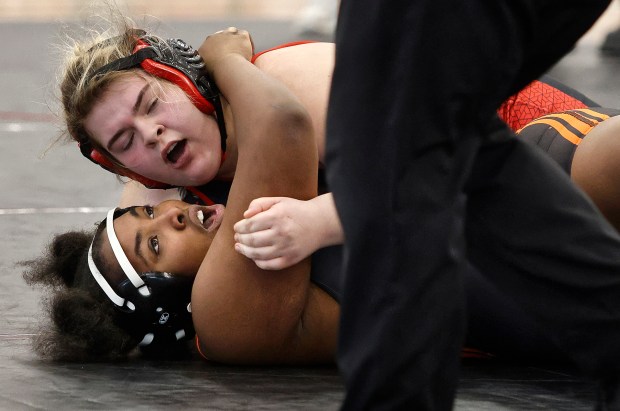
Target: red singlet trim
{"type": "Point", "coordinates": [281, 46]}
{"type": "Point", "coordinates": [198, 348]}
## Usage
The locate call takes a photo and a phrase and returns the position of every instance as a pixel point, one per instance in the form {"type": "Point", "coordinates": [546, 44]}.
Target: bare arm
{"type": "Point", "coordinates": [288, 230]}
{"type": "Point", "coordinates": [243, 314]}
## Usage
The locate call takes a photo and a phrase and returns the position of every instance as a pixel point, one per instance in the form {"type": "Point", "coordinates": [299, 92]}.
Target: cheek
{"type": "Point", "coordinates": [139, 160]}
{"type": "Point", "coordinates": [189, 259]}
{"type": "Point", "coordinates": [203, 126]}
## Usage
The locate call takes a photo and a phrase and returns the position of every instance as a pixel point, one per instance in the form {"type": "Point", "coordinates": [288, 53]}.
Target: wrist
{"type": "Point", "coordinates": [331, 232]}
{"type": "Point", "coordinates": [222, 64]}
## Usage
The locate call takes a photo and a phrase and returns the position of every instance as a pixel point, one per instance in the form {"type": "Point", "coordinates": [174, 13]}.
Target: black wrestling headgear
{"type": "Point", "coordinates": [152, 307]}
{"type": "Point", "coordinates": [175, 61]}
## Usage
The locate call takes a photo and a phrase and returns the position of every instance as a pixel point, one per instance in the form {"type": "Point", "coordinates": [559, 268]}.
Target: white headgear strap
{"type": "Point", "coordinates": [122, 259]}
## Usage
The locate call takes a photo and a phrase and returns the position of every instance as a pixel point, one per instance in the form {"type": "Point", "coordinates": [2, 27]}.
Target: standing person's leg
{"type": "Point", "coordinates": [413, 85]}
{"type": "Point", "coordinates": [545, 246]}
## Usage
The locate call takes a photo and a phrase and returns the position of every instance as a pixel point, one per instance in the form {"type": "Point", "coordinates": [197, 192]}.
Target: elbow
{"type": "Point", "coordinates": [291, 126]}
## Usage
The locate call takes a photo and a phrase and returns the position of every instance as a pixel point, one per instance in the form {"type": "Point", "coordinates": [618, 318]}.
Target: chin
{"type": "Point", "coordinates": [202, 178]}
{"type": "Point", "coordinates": [196, 182]}
{"type": "Point", "coordinates": [189, 181]}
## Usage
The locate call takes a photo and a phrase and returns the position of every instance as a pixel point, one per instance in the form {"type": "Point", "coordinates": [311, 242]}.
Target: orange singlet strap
{"type": "Point", "coordinates": [593, 114]}
{"type": "Point", "coordinates": [581, 121]}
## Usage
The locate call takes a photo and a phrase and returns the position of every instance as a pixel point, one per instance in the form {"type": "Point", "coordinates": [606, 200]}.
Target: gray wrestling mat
{"type": "Point", "coordinates": [61, 191]}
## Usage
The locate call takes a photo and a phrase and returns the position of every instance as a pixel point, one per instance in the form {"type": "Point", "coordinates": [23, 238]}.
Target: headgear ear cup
{"type": "Point", "coordinates": [176, 77]}
{"type": "Point", "coordinates": [164, 316]}
{"type": "Point", "coordinates": [179, 63]}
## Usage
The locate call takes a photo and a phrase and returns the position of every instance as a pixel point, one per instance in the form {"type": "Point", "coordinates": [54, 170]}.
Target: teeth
{"type": "Point", "coordinates": [201, 216]}
{"type": "Point", "coordinates": [171, 148]}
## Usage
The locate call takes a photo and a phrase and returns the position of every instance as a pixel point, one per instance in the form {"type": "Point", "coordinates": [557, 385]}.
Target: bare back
{"type": "Point", "coordinates": [306, 70]}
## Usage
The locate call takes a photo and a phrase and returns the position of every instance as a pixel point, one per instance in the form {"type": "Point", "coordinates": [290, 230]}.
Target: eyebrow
{"type": "Point", "coordinates": [134, 110]}
{"type": "Point", "coordinates": [138, 240]}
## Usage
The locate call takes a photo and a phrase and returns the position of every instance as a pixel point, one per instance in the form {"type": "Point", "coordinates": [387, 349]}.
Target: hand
{"type": "Point", "coordinates": [224, 43]}
{"type": "Point", "coordinates": [278, 232]}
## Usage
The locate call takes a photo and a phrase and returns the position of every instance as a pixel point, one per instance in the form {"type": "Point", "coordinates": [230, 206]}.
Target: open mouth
{"type": "Point", "coordinates": [210, 217]}
{"type": "Point", "coordinates": [175, 151]}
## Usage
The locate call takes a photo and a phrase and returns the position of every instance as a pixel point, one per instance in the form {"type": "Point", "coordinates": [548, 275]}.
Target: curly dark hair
{"type": "Point", "coordinates": [81, 326]}
{"type": "Point", "coordinates": [82, 323]}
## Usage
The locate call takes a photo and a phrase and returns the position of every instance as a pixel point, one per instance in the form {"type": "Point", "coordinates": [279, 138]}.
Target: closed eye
{"type": "Point", "coordinates": [152, 106]}
{"type": "Point", "coordinates": [128, 142]}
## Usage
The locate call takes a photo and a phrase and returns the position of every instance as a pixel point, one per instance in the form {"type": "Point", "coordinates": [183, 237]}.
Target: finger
{"type": "Point", "coordinates": [253, 225]}
{"type": "Point", "coordinates": [273, 264]}
{"type": "Point", "coordinates": [259, 205]}
{"type": "Point", "coordinates": [263, 253]}
{"type": "Point", "coordinates": [256, 240]}
{"type": "Point", "coordinates": [251, 43]}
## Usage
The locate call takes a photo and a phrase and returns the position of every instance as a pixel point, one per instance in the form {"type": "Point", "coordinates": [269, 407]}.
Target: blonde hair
{"type": "Point", "coordinates": [79, 90]}
{"type": "Point", "coordinates": [77, 93]}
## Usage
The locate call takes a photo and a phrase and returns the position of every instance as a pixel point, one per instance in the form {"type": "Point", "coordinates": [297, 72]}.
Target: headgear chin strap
{"type": "Point", "coordinates": [153, 307]}
{"type": "Point", "coordinates": [175, 61]}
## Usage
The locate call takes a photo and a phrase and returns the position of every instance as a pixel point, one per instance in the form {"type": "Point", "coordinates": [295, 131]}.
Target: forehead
{"type": "Point", "coordinates": [126, 228]}
{"type": "Point", "coordinates": [123, 89]}
{"type": "Point", "coordinates": [115, 102]}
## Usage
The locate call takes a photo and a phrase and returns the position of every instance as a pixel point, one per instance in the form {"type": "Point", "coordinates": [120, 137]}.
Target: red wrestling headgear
{"type": "Point", "coordinates": [175, 61]}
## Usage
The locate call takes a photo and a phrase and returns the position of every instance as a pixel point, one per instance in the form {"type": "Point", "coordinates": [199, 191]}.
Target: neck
{"type": "Point", "coordinates": [229, 165]}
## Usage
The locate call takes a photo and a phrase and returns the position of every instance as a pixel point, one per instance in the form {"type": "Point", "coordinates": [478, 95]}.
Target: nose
{"type": "Point", "coordinates": [151, 134]}
{"type": "Point", "coordinates": [174, 217]}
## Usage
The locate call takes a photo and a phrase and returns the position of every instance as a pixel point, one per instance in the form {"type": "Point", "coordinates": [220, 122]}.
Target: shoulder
{"type": "Point", "coordinates": [295, 56]}
{"type": "Point", "coordinates": [293, 48]}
